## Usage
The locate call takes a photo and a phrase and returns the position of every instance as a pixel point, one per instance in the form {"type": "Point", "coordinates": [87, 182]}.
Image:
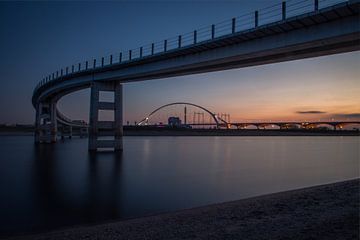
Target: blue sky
{"type": "Point", "coordinates": [38, 38]}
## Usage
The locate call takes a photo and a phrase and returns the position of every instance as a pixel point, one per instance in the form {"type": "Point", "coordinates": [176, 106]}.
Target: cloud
{"type": "Point", "coordinates": [310, 112]}
{"type": "Point", "coordinates": [346, 115]}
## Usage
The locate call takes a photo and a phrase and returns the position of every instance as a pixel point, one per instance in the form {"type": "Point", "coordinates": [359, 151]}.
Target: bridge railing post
{"type": "Point", "coordinates": [86, 65]}
{"type": "Point", "coordinates": [120, 57]}
{"type": "Point", "coordinates": [212, 31]}
{"type": "Point", "coordinates": [152, 48]}
{"type": "Point", "coordinates": [79, 67]}
{"type": "Point", "coordinates": [283, 7]}
{"type": "Point", "coordinates": [233, 22]}
{"type": "Point", "coordinates": [316, 5]}
{"type": "Point", "coordinates": [129, 54]}
{"type": "Point", "coordinates": [256, 16]}
{"type": "Point", "coordinates": [179, 41]}
{"type": "Point", "coordinates": [111, 59]}
{"type": "Point", "coordinates": [165, 45]}
{"type": "Point", "coordinates": [195, 37]}
{"type": "Point", "coordinates": [94, 63]}
{"type": "Point", "coordinates": [141, 52]}
{"type": "Point", "coordinates": [102, 61]}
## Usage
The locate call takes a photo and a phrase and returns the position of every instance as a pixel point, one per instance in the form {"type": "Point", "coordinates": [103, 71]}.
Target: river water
{"type": "Point", "coordinates": [49, 187]}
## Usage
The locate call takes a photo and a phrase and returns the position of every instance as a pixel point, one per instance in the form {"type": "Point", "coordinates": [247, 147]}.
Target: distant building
{"type": "Point", "coordinates": [174, 122]}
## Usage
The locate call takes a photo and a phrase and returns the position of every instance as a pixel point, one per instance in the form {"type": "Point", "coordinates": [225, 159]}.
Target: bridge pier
{"type": "Point", "coordinates": [83, 132]}
{"type": "Point", "coordinates": [46, 122]}
{"type": "Point", "coordinates": [112, 129]}
{"type": "Point", "coordinates": [70, 132]}
{"type": "Point", "coordinates": [66, 131]}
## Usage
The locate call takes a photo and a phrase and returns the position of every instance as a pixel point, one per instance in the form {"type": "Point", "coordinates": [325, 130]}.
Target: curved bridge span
{"type": "Point", "coordinates": [289, 35]}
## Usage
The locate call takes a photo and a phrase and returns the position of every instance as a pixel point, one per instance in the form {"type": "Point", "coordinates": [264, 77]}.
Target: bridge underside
{"type": "Point", "coordinates": [324, 32]}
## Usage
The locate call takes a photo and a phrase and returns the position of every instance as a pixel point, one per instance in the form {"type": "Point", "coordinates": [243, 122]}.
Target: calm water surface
{"type": "Point", "coordinates": [53, 186]}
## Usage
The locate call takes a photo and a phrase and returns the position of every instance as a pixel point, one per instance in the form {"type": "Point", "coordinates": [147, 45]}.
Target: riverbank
{"type": "Point", "coordinates": [322, 212]}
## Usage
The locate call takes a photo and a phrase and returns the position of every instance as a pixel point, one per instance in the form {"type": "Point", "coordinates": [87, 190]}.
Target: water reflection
{"type": "Point", "coordinates": [104, 190]}
{"type": "Point", "coordinates": [45, 187]}
{"type": "Point", "coordinates": [68, 194]}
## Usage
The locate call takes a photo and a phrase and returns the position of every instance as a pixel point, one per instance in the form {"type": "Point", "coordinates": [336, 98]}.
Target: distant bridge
{"type": "Point", "coordinates": [221, 123]}
{"type": "Point", "coordinates": [336, 125]}
{"type": "Point", "coordinates": [283, 32]}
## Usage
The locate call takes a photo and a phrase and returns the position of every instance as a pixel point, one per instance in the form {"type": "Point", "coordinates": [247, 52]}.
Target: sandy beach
{"type": "Point", "coordinates": [322, 212]}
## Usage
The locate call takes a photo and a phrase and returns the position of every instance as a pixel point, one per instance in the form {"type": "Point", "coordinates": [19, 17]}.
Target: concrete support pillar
{"type": "Point", "coordinates": [62, 132]}
{"type": "Point", "coordinates": [118, 116]}
{"type": "Point", "coordinates": [94, 115]}
{"type": "Point", "coordinates": [46, 122]}
{"type": "Point", "coordinates": [37, 123]}
{"type": "Point", "coordinates": [113, 129]}
{"type": "Point", "coordinates": [83, 132]}
{"type": "Point", "coordinates": [53, 122]}
{"type": "Point", "coordinates": [70, 132]}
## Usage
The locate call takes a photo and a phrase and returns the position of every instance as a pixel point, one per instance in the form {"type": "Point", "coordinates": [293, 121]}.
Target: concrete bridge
{"type": "Point", "coordinates": [297, 30]}
{"type": "Point", "coordinates": [306, 125]}
{"type": "Point", "coordinates": [219, 122]}
{"type": "Point", "coordinates": [335, 125]}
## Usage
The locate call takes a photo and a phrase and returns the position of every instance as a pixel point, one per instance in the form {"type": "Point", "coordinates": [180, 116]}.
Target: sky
{"type": "Point", "coordinates": [38, 38]}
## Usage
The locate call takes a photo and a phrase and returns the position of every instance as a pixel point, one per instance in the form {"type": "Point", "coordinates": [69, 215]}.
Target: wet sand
{"type": "Point", "coordinates": [323, 212]}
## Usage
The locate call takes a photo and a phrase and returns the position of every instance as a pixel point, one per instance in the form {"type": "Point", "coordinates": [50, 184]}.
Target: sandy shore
{"type": "Point", "coordinates": [322, 212]}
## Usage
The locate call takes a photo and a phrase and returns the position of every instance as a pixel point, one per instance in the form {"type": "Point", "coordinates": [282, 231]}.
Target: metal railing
{"type": "Point", "coordinates": [271, 14]}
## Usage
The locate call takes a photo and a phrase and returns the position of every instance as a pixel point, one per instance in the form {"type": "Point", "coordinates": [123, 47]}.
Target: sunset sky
{"type": "Point", "coordinates": [38, 38]}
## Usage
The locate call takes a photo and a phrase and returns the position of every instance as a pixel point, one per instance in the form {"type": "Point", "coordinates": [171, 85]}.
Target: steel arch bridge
{"type": "Point", "coordinates": [218, 121]}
